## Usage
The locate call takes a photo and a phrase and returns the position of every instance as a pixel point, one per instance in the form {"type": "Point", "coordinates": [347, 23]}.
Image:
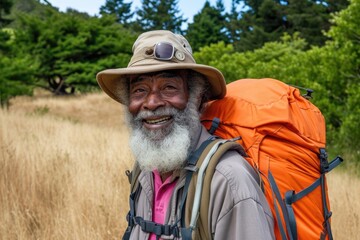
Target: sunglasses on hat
{"type": "Point", "coordinates": [165, 51]}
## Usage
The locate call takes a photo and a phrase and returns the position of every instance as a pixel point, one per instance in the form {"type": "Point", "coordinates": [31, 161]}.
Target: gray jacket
{"type": "Point", "coordinates": [238, 208]}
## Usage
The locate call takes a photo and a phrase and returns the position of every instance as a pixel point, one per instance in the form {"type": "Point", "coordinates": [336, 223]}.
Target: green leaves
{"type": "Point", "coordinates": [273, 60]}
{"type": "Point", "coordinates": [71, 47]}
{"type": "Point", "coordinates": [121, 10]}
{"type": "Point", "coordinates": [208, 27]}
{"type": "Point", "coordinates": [16, 77]}
{"type": "Point", "coordinates": [160, 14]}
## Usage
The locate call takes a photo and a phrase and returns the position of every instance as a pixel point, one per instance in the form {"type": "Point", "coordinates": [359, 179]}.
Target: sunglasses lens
{"type": "Point", "coordinates": [164, 51]}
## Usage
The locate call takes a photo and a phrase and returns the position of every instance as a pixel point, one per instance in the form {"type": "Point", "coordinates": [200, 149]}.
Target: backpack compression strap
{"type": "Point", "coordinates": [292, 197]}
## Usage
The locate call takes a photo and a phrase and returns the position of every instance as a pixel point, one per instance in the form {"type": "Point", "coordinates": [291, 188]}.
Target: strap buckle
{"type": "Point", "coordinates": [156, 228]}
{"type": "Point", "coordinates": [324, 164]}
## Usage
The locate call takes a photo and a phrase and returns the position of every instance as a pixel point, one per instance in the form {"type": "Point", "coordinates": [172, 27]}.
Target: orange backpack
{"type": "Point", "coordinates": [283, 134]}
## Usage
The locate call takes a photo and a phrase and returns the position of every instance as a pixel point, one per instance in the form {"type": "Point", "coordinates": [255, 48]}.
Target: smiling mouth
{"type": "Point", "coordinates": [158, 120]}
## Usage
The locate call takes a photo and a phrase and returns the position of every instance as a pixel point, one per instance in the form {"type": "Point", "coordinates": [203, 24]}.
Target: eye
{"type": "Point", "coordinates": [137, 91]}
{"type": "Point", "coordinates": [170, 87]}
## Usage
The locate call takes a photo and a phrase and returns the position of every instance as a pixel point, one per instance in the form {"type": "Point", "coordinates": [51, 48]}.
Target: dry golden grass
{"type": "Point", "coordinates": [62, 166]}
{"type": "Point", "coordinates": [344, 193]}
{"type": "Point", "coordinates": [61, 173]}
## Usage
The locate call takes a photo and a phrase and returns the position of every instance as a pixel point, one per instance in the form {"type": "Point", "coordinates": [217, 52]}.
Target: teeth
{"type": "Point", "coordinates": [159, 120]}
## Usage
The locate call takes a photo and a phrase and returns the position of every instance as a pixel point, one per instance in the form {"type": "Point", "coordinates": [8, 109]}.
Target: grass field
{"type": "Point", "coordinates": [62, 166]}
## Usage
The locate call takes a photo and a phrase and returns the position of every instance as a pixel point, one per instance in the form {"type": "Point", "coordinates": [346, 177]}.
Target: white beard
{"type": "Point", "coordinates": [165, 150]}
{"type": "Point", "coordinates": [165, 156]}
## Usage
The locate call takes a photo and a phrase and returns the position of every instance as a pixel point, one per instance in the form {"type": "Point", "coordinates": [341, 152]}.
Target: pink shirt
{"type": "Point", "coordinates": [162, 195]}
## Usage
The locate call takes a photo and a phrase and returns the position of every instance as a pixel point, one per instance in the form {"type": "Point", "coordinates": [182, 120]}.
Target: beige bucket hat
{"type": "Point", "coordinates": [155, 51]}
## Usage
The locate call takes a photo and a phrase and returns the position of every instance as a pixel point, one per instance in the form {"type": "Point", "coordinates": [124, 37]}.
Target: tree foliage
{"type": "Point", "coordinates": [208, 26]}
{"type": "Point", "coordinates": [345, 44]}
{"type": "Point", "coordinates": [120, 9]}
{"type": "Point", "coordinates": [160, 14]}
{"type": "Point", "coordinates": [263, 21]}
{"type": "Point", "coordinates": [71, 48]}
{"type": "Point", "coordinates": [17, 70]}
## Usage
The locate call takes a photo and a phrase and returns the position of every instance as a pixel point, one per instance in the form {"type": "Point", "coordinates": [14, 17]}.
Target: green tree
{"type": "Point", "coordinates": [310, 18]}
{"type": "Point", "coordinates": [267, 20]}
{"type": "Point", "coordinates": [17, 69]}
{"type": "Point", "coordinates": [345, 35]}
{"type": "Point", "coordinates": [208, 26]}
{"type": "Point", "coordinates": [232, 22]}
{"type": "Point", "coordinates": [120, 9]}
{"type": "Point", "coordinates": [275, 59]}
{"type": "Point", "coordinates": [261, 22]}
{"type": "Point", "coordinates": [72, 47]}
{"type": "Point", "coordinates": [160, 14]}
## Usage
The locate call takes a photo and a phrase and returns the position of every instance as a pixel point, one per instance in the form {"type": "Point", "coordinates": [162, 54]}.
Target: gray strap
{"type": "Point", "coordinates": [214, 125]}
{"type": "Point", "coordinates": [334, 163]}
{"type": "Point", "coordinates": [281, 226]}
{"type": "Point", "coordinates": [157, 229]}
{"type": "Point", "coordinates": [291, 197]}
{"type": "Point", "coordinates": [276, 191]}
{"type": "Point", "coordinates": [290, 212]}
{"type": "Point", "coordinates": [186, 233]}
{"type": "Point", "coordinates": [327, 213]}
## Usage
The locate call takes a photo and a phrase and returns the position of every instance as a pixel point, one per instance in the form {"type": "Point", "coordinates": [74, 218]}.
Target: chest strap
{"type": "Point", "coordinates": [156, 228]}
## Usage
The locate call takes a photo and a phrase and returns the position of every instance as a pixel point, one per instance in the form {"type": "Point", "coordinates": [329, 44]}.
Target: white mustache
{"type": "Point", "coordinates": [166, 111]}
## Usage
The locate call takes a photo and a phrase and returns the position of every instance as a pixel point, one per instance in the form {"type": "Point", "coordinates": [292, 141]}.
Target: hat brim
{"type": "Point", "coordinates": [110, 79]}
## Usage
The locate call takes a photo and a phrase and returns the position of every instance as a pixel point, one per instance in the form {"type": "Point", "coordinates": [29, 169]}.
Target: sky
{"type": "Point", "coordinates": [187, 7]}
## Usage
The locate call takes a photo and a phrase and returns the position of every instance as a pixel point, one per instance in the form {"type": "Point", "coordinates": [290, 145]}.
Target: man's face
{"type": "Point", "coordinates": [159, 91]}
{"type": "Point", "coordinates": [164, 119]}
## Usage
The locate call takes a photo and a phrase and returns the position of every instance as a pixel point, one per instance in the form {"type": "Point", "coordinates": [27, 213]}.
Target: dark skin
{"type": "Point", "coordinates": [153, 91]}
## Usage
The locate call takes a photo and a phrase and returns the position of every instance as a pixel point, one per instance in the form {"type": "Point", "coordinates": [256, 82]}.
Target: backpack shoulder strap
{"type": "Point", "coordinates": [196, 216]}
{"type": "Point", "coordinates": [134, 190]}
{"type": "Point", "coordinates": [133, 176]}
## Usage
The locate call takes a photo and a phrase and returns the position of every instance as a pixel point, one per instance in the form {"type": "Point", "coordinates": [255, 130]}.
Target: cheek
{"type": "Point", "coordinates": [180, 102]}
{"type": "Point", "coordinates": [183, 98]}
{"type": "Point", "coordinates": [134, 107]}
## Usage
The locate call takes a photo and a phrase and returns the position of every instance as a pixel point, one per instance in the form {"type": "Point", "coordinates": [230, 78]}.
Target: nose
{"type": "Point", "coordinates": [153, 101]}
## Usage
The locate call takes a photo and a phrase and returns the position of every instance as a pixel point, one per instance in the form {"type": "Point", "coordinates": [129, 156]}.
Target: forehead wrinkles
{"type": "Point", "coordinates": [152, 77]}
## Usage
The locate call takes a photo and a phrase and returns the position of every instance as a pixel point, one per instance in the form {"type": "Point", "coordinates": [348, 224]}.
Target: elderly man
{"type": "Point", "coordinates": [164, 91]}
